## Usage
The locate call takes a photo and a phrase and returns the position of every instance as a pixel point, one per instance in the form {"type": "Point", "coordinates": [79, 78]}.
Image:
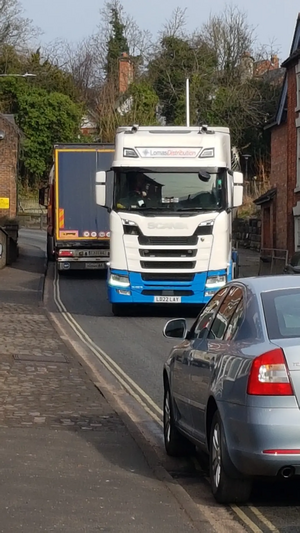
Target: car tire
{"type": "Point", "coordinates": [119, 309]}
{"type": "Point", "coordinates": [176, 444]}
{"type": "Point", "coordinates": [227, 486]}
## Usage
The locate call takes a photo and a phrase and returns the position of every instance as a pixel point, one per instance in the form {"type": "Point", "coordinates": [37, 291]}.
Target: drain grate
{"type": "Point", "coordinates": [53, 358]}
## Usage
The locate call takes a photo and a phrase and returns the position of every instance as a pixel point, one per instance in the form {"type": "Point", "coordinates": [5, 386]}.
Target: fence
{"type": "Point", "coordinates": [32, 220]}
{"type": "Point", "coordinates": [272, 261]}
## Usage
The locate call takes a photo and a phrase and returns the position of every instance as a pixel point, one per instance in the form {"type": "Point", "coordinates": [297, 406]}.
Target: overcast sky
{"type": "Point", "coordinates": [73, 20]}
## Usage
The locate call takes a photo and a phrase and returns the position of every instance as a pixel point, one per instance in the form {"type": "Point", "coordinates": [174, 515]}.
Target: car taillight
{"type": "Point", "coordinates": [269, 375]}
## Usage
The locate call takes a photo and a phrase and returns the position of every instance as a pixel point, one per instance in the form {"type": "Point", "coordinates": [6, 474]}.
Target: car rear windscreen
{"type": "Point", "coordinates": [282, 313]}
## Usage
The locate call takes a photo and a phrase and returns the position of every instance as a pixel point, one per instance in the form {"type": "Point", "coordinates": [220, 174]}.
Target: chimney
{"type": "Point", "coordinates": [246, 66]}
{"type": "Point", "coordinates": [274, 61]}
{"type": "Point", "coordinates": [126, 72]}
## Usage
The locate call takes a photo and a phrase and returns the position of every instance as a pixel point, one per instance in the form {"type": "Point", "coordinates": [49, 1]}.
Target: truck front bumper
{"type": "Point", "coordinates": [129, 287]}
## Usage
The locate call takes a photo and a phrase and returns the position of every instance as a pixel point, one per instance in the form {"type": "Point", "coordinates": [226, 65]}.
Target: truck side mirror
{"type": "Point", "coordinates": [101, 188]}
{"type": "Point", "coordinates": [238, 180]}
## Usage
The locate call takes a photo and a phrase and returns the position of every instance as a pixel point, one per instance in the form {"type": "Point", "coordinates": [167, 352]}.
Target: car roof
{"type": "Point", "coordinates": [261, 284]}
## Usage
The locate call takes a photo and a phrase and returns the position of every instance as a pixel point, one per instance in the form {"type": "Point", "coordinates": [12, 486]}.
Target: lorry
{"type": "Point", "coordinates": [171, 194]}
{"type": "Point", "coordinates": [77, 228]}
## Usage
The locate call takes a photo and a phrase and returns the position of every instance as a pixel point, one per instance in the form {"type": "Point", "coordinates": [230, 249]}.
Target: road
{"type": "Point", "coordinates": [135, 350]}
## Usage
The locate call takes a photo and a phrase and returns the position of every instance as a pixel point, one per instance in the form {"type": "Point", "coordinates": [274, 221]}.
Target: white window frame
{"type": "Point", "coordinates": [297, 72]}
{"type": "Point", "coordinates": [296, 213]}
{"type": "Point", "coordinates": [298, 158]}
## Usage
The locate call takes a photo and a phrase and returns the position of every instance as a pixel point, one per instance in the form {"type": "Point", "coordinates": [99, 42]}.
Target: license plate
{"type": "Point", "coordinates": [167, 299]}
{"type": "Point", "coordinates": [94, 266]}
{"type": "Point", "coordinates": [97, 253]}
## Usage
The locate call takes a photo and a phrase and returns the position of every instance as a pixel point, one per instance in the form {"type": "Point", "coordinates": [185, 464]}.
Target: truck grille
{"type": "Point", "coordinates": [192, 240]}
{"type": "Point", "coordinates": [157, 292]}
{"type": "Point", "coordinates": [165, 276]}
{"type": "Point", "coordinates": [174, 265]}
{"type": "Point", "coordinates": [168, 253]}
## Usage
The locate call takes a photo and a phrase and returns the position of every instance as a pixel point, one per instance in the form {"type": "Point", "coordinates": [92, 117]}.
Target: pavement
{"type": "Point", "coordinates": [68, 463]}
{"type": "Point", "coordinates": [249, 262]}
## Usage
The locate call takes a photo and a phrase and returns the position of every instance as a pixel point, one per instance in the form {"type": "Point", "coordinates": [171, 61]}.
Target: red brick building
{"type": "Point", "coordinates": [280, 206]}
{"type": "Point", "coordinates": [9, 161]}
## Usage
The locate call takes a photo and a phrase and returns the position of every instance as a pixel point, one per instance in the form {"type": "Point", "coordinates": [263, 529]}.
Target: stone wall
{"type": "Point", "coordinates": [246, 233]}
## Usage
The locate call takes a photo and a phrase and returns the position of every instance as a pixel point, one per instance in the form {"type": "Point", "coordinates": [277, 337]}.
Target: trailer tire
{"type": "Point", "coordinates": [50, 249]}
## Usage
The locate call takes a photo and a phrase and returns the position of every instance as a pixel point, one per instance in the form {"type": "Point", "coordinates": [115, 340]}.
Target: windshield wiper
{"type": "Point", "coordinates": [197, 209]}
{"type": "Point", "coordinates": [159, 208]}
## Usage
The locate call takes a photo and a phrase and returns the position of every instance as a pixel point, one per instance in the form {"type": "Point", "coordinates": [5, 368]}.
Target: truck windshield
{"type": "Point", "coordinates": [143, 190]}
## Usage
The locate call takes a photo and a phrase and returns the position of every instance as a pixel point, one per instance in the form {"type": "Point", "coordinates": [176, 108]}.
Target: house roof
{"type": "Point", "coordinates": [294, 47]}
{"type": "Point", "coordinates": [11, 120]}
{"type": "Point", "coordinates": [266, 197]}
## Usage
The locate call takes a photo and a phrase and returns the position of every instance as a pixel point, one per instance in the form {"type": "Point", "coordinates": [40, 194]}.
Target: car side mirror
{"type": "Point", "coordinates": [175, 329]}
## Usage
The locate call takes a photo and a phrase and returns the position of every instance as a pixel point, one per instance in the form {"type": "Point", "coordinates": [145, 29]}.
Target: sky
{"type": "Point", "coordinates": [72, 20]}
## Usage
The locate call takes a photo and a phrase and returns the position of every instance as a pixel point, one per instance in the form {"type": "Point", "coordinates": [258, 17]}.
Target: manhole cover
{"type": "Point", "coordinates": [53, 358]}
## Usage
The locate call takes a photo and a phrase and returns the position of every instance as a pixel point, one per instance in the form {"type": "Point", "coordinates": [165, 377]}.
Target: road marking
{"type": "Point", "coordinates": [141, 396]}
{"type": "Point", "coordinates": [263, 519]}
{"type": "Point", "coordinates": [109, 363]}
{"type": "Point", "coordinates": [245, 518]}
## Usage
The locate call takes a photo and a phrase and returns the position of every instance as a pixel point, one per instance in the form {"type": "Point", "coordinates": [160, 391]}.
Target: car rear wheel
{"type": "Point", "coordinates": [176, 444]}
{"type": "Point", "coordinates": [226, 485]}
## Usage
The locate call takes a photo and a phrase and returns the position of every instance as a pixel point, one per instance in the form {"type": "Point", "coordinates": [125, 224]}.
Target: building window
{"type": "Point", "coordinates": [297, 72]}
{"type": "Point", "coordinates": [297, 233]}
{"type": "Point", "coordinates": [298, 91]}
{"type": "Point", "coordinates": [298, 157]}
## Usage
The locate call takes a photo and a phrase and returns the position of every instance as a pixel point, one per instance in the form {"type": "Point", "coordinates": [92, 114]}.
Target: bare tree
{"type": "Point", "coordinates": [230, 35]}
{"type": "Point", "coordinates": [15, 30]}
{"type": "Point", "coordinates": [175, 26]}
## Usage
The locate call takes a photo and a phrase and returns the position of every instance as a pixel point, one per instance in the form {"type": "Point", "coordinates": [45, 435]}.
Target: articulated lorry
{"type": "Point", "coordinates": [171, 195]}
{"type": "Point", "coordinates": [77, 227]}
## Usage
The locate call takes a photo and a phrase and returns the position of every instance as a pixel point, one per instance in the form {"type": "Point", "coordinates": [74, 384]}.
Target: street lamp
{"type": "Point", "coordinates": [246, 157]}
{"type": "Point", "coordinates": [26, 75]}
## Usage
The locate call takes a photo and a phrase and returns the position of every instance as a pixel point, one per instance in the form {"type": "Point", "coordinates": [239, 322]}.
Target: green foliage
{"type": "Point", "coordinates": [143, 104]}
{"type": "Point", "coordinates": [117, 44]}
{"type": "Point", "coordinates": [46, 119]}
{"type": "Point", "coordinates": [178, 59]}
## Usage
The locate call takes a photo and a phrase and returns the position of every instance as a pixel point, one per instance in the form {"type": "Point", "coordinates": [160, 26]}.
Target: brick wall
{"type": "Point", "coordinates": [8, 167]}
{"type": "Point", "coordinates": [278, 179]}
{"type": "Point", "coordinates": [291, 156]}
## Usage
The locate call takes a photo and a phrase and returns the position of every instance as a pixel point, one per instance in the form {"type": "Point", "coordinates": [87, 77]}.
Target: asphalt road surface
{"type": "Point", "coordinates": [138, 348]}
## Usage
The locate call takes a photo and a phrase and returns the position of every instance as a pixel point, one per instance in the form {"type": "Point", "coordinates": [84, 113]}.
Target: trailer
{"type": "Point", "coordinates": [78, 232]}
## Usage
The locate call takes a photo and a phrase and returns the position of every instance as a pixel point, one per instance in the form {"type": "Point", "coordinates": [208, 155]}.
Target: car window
{"type": "Point", "coordinates": [235, 322]}
{"type": "Point", "coordinates": [206, 316]}
{"type": "Point", "coordinates": [282, 313]}
{"type": "Point", "coordinates": [225, 313]}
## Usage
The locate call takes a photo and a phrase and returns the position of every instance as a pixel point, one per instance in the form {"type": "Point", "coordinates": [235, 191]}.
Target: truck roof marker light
{"type": "Point", "coordinates": [208, 152]}
{"type": "Point", "coordinates": [129, 152]}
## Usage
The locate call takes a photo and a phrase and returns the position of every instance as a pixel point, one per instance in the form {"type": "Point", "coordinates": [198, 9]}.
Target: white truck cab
{"type": "Point", "coordinates": [170, 194]}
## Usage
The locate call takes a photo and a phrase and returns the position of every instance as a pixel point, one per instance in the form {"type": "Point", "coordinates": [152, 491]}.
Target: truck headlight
{"type": "Point", "coordinates": [118, 280]}
{"type": "Point", "coordinates": [214, 282]}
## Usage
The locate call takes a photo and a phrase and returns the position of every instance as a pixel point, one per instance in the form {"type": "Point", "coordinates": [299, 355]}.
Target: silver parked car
{"type": "Point", "coordinates": [232, 384]}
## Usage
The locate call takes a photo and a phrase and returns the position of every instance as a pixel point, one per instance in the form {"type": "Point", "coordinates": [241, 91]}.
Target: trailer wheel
{"type": "Point", "coordinates": [50, 249]}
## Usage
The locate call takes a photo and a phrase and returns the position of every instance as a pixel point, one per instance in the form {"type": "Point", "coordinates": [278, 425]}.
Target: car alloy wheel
{"type": "Point", "coordinates": [216, 455]}
{"type": "Point", "coordinates": [176, 444]}
{"type": "Point", "coordinates": [227, 484]}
